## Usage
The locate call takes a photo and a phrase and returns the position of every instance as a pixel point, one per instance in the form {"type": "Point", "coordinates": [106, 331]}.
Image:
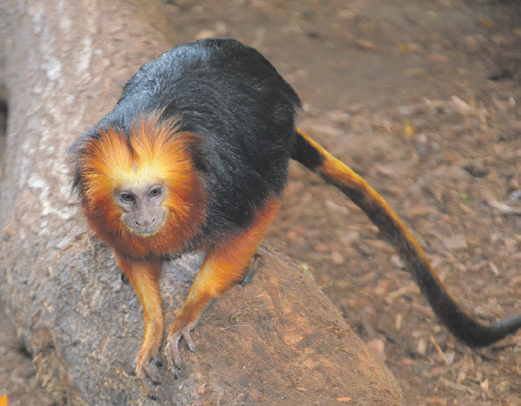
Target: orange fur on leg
{"type": "Point", "coordinates": [224, 266]}
{"type": "Point", "coordinates": [144, 277]}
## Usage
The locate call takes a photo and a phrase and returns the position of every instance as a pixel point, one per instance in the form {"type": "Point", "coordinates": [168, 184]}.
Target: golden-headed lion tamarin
{"type": "Point", "coordinates": [194, 156]}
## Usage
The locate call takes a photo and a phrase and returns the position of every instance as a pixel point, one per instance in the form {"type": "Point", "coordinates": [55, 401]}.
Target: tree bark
{"type": "Point", "coordinates": [277, 340]}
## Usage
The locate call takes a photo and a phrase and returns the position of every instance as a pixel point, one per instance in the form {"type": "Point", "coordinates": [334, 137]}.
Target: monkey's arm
{"type": "Point", "coordinates": [223, 266]}
{"type": "Point", "coordinates": [144, 277]}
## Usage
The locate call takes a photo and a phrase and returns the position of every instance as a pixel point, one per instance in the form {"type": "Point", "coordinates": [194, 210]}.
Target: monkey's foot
{"type": "Point", "coordinates": [172, 347]}
{"type": "Point", "coordinates": [251, 270]}
{"type": "Point", "coordinates": [145, 371]}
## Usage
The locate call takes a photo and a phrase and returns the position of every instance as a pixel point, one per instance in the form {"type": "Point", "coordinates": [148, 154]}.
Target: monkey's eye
{"type": "Point", "coordinates": [155, 192]}
{"type": "Point", "coordinates": [127, 197]}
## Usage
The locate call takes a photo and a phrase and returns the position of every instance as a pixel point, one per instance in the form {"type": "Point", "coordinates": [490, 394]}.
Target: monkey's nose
{"type": "Point", "coordinates": [145, 222]}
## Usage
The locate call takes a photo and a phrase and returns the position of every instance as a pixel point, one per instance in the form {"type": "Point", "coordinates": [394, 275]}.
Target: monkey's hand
{"type": "Point", "coordinates": [180, 328]}
{"type": "Point", "coordinates": [146, 361]}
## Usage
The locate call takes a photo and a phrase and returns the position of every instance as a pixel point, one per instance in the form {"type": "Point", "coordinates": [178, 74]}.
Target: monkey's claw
{"type": "Point", "coordinates": [146, 372]}
{"type": "Point", "coordinates": [172, 348]}
{"type": "Point", "coordinates": [150, 372]}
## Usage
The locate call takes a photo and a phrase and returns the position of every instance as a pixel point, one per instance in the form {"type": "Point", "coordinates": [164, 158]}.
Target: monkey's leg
{"type": "Point", "coordinates": [223, 266]}
{"type": "Point", "coordinates": [144, 277]}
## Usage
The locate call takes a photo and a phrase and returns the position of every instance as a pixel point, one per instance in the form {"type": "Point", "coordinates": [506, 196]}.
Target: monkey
{"type": "Point", "coordinates": [194, 157]}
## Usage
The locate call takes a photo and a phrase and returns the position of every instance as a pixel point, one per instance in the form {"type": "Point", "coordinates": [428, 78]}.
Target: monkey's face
{"type": "Point", "coordinates": [142, 207]}
{"type": "Point", "coordinates": [139, 190]}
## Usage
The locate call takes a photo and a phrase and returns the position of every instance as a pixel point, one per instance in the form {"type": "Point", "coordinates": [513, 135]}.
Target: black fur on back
{"type": "Point", "coordinates": [232, 96]}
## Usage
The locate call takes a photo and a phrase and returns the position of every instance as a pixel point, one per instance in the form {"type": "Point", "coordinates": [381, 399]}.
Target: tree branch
{"type": "Point", "coordinates": [278, 340]}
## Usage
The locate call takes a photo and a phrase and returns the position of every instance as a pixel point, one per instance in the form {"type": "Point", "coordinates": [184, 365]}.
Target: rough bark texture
{"type": "Point", "coordinates": [278, 340]}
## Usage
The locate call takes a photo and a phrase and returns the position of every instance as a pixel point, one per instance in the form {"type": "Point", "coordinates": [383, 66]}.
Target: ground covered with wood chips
{"type": "Point", "coordinates": [423, 99]}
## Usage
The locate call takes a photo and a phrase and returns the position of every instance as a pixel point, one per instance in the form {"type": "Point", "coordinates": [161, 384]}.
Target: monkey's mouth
{"type": "Point", "coordinates": [144, 233]}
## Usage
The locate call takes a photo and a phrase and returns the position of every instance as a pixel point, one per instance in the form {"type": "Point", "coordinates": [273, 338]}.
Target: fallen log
{"type": "Point", "coordinates": [277, 340]}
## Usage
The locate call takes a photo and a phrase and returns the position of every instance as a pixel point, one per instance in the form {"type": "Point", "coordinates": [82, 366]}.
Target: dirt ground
{"type": "Point", "coordinates": [423, 99]}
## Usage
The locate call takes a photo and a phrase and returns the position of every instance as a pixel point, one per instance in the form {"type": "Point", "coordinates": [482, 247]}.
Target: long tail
{"type": "Point", "coordinates": [462, 325]}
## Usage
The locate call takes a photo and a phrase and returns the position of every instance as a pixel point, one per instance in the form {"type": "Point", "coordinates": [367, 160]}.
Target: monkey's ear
{"type": "Point", "coordinates": [74, 158]}
{"type": "Point", "coordinates": [79, 144]}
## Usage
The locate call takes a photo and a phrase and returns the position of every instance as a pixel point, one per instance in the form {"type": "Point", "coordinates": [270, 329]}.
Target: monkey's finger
{"type": "Point", "coordinates": [188, 337]}
{"type": "Point", "coordinates": [157, 360]}
{"type": "Point", "coordinates": [172, 354]}
{"type": "Point", "coordinates": [147, 362]}
{"type": "Point", "coordinates": [151, 374]}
